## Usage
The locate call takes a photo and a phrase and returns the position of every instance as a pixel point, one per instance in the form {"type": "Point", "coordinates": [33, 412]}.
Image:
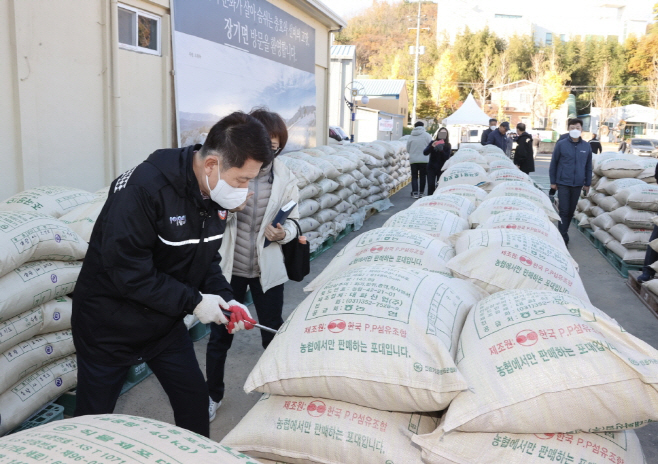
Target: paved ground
{"type": "Point", "coordinates": [606, 289]}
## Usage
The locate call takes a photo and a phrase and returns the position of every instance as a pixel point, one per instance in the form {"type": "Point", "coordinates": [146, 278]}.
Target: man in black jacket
{"type": "Point", "coordinates": [153, 258]}
{"type": "Point", "coordinates": [493, 125]}
{"type": "Point", "coordinates": [524, 157]}
{"type": "Point", "coordinates": [596, 145]}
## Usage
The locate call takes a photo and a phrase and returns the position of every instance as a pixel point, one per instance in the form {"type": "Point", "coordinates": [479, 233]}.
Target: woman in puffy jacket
{"type": "Point", "coordinates": [439, 151]}
{"type": "Point", "coordinates": [246, 262]}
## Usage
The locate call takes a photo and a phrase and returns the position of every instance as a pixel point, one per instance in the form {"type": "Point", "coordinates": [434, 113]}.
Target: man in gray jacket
{"type": "Point", "coordinates": [418, 140]}
{"type": "Point", "coordinates": [570, 172]}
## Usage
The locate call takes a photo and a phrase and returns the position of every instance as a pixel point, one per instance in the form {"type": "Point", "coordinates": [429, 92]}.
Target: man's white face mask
{"type": "Point", "coordinates": [225, 195]}
{"type": "Point", "coordinates": [492, 127]}
{"type": "Point", "coordinates": [574, 133]}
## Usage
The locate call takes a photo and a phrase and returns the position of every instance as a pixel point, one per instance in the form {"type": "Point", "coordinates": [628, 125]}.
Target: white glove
{"type": "Point", "coordinates": [210, 309]}
{"type": "Point", "coordinates": [238, 318]}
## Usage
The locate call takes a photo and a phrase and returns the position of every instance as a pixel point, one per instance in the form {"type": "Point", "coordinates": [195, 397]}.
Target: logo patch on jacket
{"type": "Point", "coordinates": [178, 220]}
{"type": "Point", "coordinates": [222, 214]}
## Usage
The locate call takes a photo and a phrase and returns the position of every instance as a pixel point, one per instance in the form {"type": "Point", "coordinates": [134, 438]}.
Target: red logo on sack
{"type": "Point", "coordinates": [544, 436]}
{"type": "Point", "coordinates": [377, 249]}
{"type": "Point", "coordinates": [316, 408]}
{"type": "Point", "coordinates": [510, 226]}
{"type": "Point", "coordinates": [336, 326]}
{"type": "Point", "coordinates": [525, 260]}
{"type": "Point", "coordinates": [527, 337]}
{"type": "Point", "coordinates": [222, 215]}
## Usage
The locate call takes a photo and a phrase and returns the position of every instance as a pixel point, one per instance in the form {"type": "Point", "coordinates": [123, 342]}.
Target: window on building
{"type": "Point", "coordinates": [505, 16]}
{"type": "Point", "coordinates": [139, 31]}
{"type": "Point", "coordinates": [563, 37]}
{"type": "Point", "coordinates": [549, 38]}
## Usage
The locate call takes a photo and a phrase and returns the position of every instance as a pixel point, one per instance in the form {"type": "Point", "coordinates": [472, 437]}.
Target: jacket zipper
{"type": "Point", "coordinates": [253, 223]}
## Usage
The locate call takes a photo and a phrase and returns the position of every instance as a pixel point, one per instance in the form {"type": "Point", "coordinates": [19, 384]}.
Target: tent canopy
{"type": "Point", "coordinates": [468, 113]}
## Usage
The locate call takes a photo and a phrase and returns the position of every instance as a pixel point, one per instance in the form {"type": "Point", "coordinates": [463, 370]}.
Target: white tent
{"type": "Point", "coordinates": [469, 113]}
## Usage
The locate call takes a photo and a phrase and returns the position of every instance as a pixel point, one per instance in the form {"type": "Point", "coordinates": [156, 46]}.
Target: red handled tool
{"type": "Point", "coordinates": [258, 326]}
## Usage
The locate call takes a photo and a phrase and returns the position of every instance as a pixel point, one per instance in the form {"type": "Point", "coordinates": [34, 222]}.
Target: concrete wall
{"type": "Point", "coordinates": [342, 73]}
{"type": "Point", "coordinates": [77, 110]}
{"type": "Point", "coordinates": [391, 105]}
{"type": "Point", "coordinates": [59, 126]}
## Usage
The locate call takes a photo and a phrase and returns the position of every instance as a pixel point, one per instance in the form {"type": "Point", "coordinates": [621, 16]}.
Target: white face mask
{"type": "Point", "coordinates": [225, 195]}
{"type": "Point", "coordinates": [574, 133]}
{"type": "Point", "coordinates": [492, 127]}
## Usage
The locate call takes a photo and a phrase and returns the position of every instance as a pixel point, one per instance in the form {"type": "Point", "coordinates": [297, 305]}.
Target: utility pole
{"type": "Point", "coordinates": [413, 114]}
{"type": "Point", "coordinates": [417, 52]}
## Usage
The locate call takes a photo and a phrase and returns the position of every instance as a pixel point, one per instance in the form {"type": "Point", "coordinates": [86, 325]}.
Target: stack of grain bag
{"type": "Point", "coordinates": [39, 266]}
{"type": "Point", "coordinates": [523, 384]}
{"type": "Point", "coordinates": [621, 203]}
{"type": "Point", "coordinates": [338, 183]}
{"type": "Point", "coordinates": [485, 168]}
{"type": "Point", "coordinates": [116, 438]}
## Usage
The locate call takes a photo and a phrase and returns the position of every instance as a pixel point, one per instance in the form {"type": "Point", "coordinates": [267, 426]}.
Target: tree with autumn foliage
{"type": "Point", "coordinates": [443, 84]}
{"type": "Point", "coordinates": [382, 40]}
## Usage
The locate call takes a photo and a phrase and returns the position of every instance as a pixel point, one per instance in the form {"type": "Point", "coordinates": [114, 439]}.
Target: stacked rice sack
{"type": "Point", "coordinates": [335, 182]}
{"type": "Point", "coordinates": [116, 438]}
{"type": "Point", "coordinates": [504, 360]}
{"type": "Point", "coordinates": [39, 266]}
{"type": "Point", "coordinates": [485, 168]}
{"type": "Point", "coordinates": [621, 204]}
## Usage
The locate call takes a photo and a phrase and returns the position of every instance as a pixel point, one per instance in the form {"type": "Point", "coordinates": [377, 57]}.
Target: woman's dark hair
{"type": "Point", "coordinates": [447, 139]}
{"type": "Point", "coordinates": [274, 124]}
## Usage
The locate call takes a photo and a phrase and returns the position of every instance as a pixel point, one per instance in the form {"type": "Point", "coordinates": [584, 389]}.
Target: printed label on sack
{"type": "Point", "coordinates": [502, 311]}
{"type": "Point", "coordinates": [365, 294]}
{"type": "Point", "coordinates": [555, 446]}
{"type": "Point", "coordinates": [531, 257]}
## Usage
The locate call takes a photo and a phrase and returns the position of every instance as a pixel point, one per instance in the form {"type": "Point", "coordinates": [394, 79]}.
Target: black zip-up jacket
{"type": "Point", "coordinates": [154, 246]}
{"type": "Point", "coordinates": [485, 136]}
{"type": "Point", "coordinates": [523, 155]}
{"type": "Point", "coordinates": [596, 146]}
{"type": "Point", "coordinates": [438, 155]}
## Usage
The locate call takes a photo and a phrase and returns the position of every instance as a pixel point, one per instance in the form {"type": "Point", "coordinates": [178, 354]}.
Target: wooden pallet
{"type": "Point", "coordinates": [328, 243]}
{"type": "Point", "coordinates": [646, 297]}
{"type": "Point", "coordinates": [399, 187]}
{"type": "Point", "coordinates": [620, 266]}
{"type": "Point", "coordinates": [348, 230]}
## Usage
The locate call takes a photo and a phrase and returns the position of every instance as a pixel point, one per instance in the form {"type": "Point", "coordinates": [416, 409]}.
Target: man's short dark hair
{"type": "Point", "coordinates": [237, 138]}
{"type": "Point", "coordinates": [520, 126]}
{"type": "Point", "coordinates": [574, 121]}
{"type": "Point", "coordinates": [492, 120]}
{"type": "Point", "coordinates": [273, 122]}
{"type": "Point", "coordinates": [419, 123]}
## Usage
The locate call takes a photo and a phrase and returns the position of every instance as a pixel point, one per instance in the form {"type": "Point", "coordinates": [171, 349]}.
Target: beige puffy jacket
{"type": "Point", "coordinates": [270, 259]}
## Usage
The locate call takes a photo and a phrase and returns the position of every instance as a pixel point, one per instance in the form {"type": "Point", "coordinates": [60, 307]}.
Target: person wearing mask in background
{"type": "Point", "coordinates": [570, 172]}
{"type": "Point", "coordinates": [416, 144]}
{"type": "Point", "coordinates": [439, 152]}
{"type": "Point", "coordinates": [651, 255]}
{"type": "Point", "coordinates": [499, 137]}
{"type": "Point", "coordinates": [154, 258]}
{"type": "Point", "coordinates": [596, 145]}
{"type": "Point", "coordinates": [524, 157]}
{"type": "Point", "coordinates": [247, 262]}
{"type": "Point", "coordinates": [485, 133]}
{"type": "Point", "coordinates": [623, 146]}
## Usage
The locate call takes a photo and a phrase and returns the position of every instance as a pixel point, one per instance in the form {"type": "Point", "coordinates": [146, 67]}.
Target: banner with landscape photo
{"type": "Point", "coordinates": [233, 55]}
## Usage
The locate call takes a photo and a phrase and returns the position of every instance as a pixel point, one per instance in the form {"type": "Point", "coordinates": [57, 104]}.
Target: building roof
{"type": "Point", "coordinates": [513, 85]}
{"type": "Point", "coordinates": [321, 12]}
{"type": "Point", "coordinates": [383, 87]}
{"type": "Point", "coordinates": [343, 52]}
